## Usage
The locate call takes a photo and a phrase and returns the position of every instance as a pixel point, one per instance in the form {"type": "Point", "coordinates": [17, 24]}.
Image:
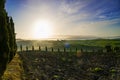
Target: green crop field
{"type": "Point", "coordinates": [84, 44]}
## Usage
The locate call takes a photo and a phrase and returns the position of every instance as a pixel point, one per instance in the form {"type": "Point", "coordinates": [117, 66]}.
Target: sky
{"type": "Point", "coordinates": [45, 18]}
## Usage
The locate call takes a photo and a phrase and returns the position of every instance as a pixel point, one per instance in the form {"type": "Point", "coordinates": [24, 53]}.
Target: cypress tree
{"type": "Point", "coordinates": [4, 38]}
{"type": "Point", "coordinates": [12, 41]}
{"type": "Point", "coordinates": [7, 38]}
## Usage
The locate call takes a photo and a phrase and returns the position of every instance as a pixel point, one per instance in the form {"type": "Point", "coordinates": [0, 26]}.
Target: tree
{"type": "Point", "coordinates": [7, 38]}
{"type": "Point", "coordinates": [12, 41]}
{"type": "Point", "coordinates": [2, 4]}
{"type": "Point", "coordinates": [4, 45]}
{"type": "Point", "coordinates": [108, 48]}
{"type": "Point", "coordinates": [117, 49]}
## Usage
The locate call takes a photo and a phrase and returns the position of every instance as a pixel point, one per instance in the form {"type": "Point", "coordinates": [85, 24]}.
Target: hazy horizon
{"type": "Point", "coordinates": [42, 19]}
{"type": "Point", "coordinates": [73, 37]}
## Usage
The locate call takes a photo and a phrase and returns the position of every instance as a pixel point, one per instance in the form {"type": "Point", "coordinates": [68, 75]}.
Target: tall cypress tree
{"type": "Point", "coordinates": [12, 41]}
{"type": "Point", "coordinates": [7, 38]}
{"type": "Point", "coordinates": [4, 38]}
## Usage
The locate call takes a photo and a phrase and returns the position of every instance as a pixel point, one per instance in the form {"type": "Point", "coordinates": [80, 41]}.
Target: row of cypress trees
{"type": "Point", "coordinates": [7, 38]}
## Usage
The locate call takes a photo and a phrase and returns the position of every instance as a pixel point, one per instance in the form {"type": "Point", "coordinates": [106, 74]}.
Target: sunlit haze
{"type": "Point", "coordinates": [42, 29]}
{"type": "Point", "coordinates": [42, 19]}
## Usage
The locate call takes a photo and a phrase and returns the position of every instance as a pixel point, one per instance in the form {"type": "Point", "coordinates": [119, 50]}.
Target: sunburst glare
{"type": "Point", "coordinates": [43, 29]}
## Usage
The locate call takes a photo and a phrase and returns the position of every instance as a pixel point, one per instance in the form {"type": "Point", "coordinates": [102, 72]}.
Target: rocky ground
{"type": "Point", "coordinates": [66, 66]}
{"type": "Point", "coordinates": [63, 66]}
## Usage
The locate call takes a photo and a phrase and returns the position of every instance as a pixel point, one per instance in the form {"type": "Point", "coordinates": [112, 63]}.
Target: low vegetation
{"type": "Point", "coordinates": [84, 44]}
{"type": "Point", "coordinates": [14, 70]}
{"type": "Point", "coordinates": [66, 66]}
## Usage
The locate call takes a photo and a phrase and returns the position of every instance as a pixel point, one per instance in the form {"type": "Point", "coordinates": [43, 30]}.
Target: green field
{"type": "Point", "coordinates": [84, 44]}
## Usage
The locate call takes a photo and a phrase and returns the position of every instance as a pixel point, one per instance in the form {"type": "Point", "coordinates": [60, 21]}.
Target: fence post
{"type": "Point", "coordinates": [39, 48]}
{"type": "Point", "coordinates": [64, 49]}
{"type": "Point", "coordinates": [81, 50]}
{"type": "Point", "coordinates": [21, 48]}
{"type": "Point", "coordinates": [26, 48]}
{"type": "Point", "coordinates": [76, 49]}
{"type": "Point", "coordinates": [70, 50]}
{"type": "Point", "coordinates": [32, 48]}
{"type": "Point", "coordinates": [52, 50]}
{"type": "Point", "coordinates": [46, 49]}
{"type": "Point", "coordinates": [58, 50]}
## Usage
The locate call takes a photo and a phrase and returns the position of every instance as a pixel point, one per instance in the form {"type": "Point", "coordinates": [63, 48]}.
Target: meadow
{"type": "Point", "coordinates": [96, 44]}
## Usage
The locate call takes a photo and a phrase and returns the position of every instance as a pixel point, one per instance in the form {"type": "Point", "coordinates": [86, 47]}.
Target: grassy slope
{"type": "Point", "coordinates": [14, 69]}
{"type": "Point", "coordinates": [73, 43]}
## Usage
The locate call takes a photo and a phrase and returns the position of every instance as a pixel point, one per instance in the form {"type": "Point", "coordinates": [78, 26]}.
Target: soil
{"type": "Point", "coordinates": [67, 66]}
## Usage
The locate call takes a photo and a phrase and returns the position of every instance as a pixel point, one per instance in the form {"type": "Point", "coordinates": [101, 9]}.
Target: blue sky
{"type": "Point", "coordinates": [68, 17]}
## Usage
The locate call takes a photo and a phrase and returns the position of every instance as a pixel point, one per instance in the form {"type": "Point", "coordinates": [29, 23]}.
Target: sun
{"type": "Point", "coordinates": [42, 29]}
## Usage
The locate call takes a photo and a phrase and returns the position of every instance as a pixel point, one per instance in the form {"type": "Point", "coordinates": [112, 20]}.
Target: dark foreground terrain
{"type": "Point", "coordinates": [69, 66]}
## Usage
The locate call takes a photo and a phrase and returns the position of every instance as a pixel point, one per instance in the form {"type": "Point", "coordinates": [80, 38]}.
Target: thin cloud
{"type": "Point", "coordinates": [78, 17]}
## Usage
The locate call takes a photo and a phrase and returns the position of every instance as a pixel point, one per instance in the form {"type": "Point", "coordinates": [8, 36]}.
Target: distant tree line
{"type": "Point", "coordinates": [8, 45]}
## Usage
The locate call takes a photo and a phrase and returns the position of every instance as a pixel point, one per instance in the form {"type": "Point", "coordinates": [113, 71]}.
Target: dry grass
{"type": "Point", "coordinates": [14, 69]}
